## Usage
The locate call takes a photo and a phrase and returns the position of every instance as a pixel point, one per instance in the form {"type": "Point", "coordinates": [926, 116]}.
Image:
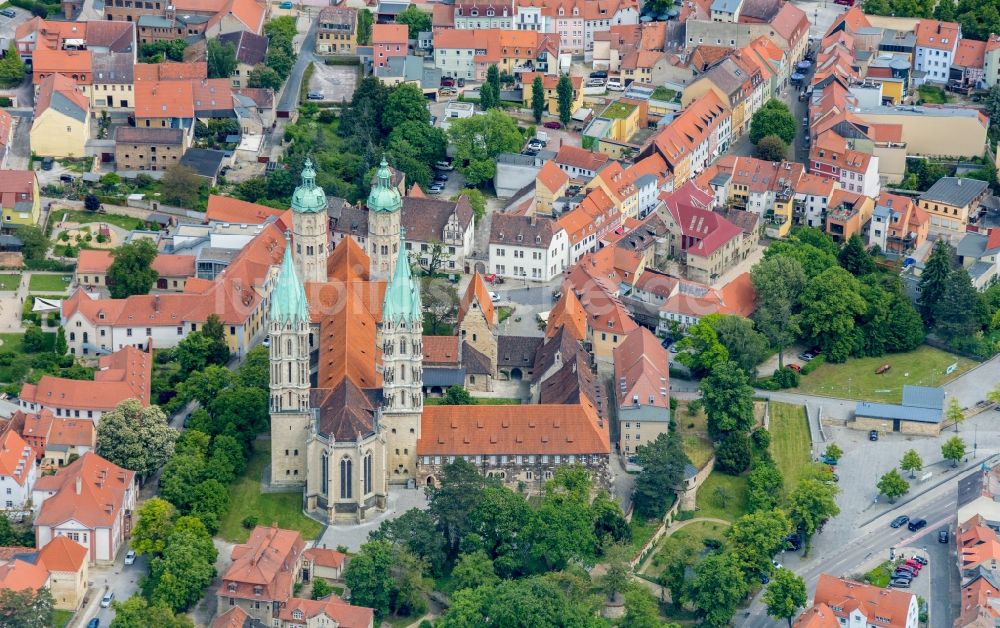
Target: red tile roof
{"type": "Point", "coordinates": [16, 457]}
{"type": "Point", "coordinates": [441, 350]}
{"type": "Point", "coordinates": [325, 557]}
{"type": "Point", "coordinates": [937, 34]}
{"type": "Point", "coordinates": [882, 607]}
{"type": "Point", "coordinates": [14, 184]}
{"type": "Point", "coordinates": [704, 230]}
{"type": "Point", "coordinates": [97, 501]}
{"type": "Point", "coordinates": [551, 176]}
{"type": "Point", "coordinates": [165, 264]}
{"type": "Point", "coordinates": [581, 158]}
{"type": "Point", "coordinates": [819, 616]}
{"type": "Point", "coordinates": [125, 374]}
{"type": "Point", "coordinates": [235, 617]}
{"type": "Point", "coordinates": [642, 370]}
{"type": "Point", "coordinates": [569, 313]}
{"type": "Point", "coordinates": [342, 614]}
{"type": "Point", "coordinates": [268, 560]}
{"type": "Point", "coordinates": [18, 575]}
{"type": "Point", "coordinates": [970, 54]}
{"type": "Point", "coordinates": [171, 71]}
{"type": "Point", "coordinates": [478, 292]}
{"type": "Point", "coordinates": [63, 554]}
{"type": "Point", "coordinates": [164, 99]}
{"type": "Point", "coordinates": [391, 34]}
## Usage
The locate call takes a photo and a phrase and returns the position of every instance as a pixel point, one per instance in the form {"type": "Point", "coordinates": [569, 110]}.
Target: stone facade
{"type": "Point", "coordinates": [916, 428]}
{"type": "Point", "coordinates": [519, 472]}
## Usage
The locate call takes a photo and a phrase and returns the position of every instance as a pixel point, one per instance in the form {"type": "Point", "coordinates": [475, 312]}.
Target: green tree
{"type": "Point", "coordinates": [954, 413]}
{"type": "Point", "coordinates": [717, 589]}
{"type": "Point", "coordinates": [829, 305]}
{"type": "Point", "coordinates": [255, 371]}
{"type": "Point", "coordinates": [810, 505]}
{"type": "Point", "coordinates": [563, 529]}
{"type": "Point", "coordinates": [156, 522]}
{"type": "Point", "coordinates": [416, 20]}
{"type": "Point", "coordinates": [26, 608]}
{"type": "Point", "coordinates": [180, 476]}
{"type": "Point", "coordinates": [765, 486]}
{"type": "Point", "coordinates": [493, 78]}
{"type": "Point", "coordinates": [537, 98]}
{"type": "Point", "coordinates": [136, 612]}
{"type": "Point", "coordinates": [61, 346]}
{"type": "Point", "coordinates": [369, 576]}
{"type": "Point", "coordinates": [911, 462]}
{"type": "Point", "coordinates": [489, 98]}
{"type": "Point", "coordinates": [11, 67]}
{"type": "Point", "coordinates": [774, 118]}
{"type": "Point", "coordinates": [415, 531]}
{"type": "Point", "coordinates": [891, 323]}
{"type": "Point", "coordinates": [473, 571]}
{"type": "Point", "coordinates": [110, 181]}
{"type": "Point", "coordinates": [178, 578]}
{"type": "Point", "coordinates": [934, 280]}
{"type": "Point", "coordinates": [365, 23]}
{"type": "Point", "coordinates": [476, 199]}
{"type": "Point", "coordinates": [136, 437]}
{"type": "Point", "coordinates": [960, 313]}
{"type": "Point", "coordinates": [732, 455]}
{"type": "Point", "coordinates": [953, 449]}
{"type": "Point", "coordinates": [406, 103]}
{"type": "Point", "coordinates": [564, 95]}
{"type": "Point", "coordinates": [728, 399]}
{"type": "Point", "coordinates": [479, 139]}
{"type": "Point", "coordinates": [833, 451]}
{"type": "Point", "coordinates": [209, 501]}
{"type": "Point", "coordinates": [706, 352]}
{"type": "Point", "coordinates": [181, 186]}
{"type": "Point", "coordinates": [263, 76]}
{"type": "Point", "coordinates": [854, 258]}
{"type": "Point", "coordinates": [771, 148]}
{"type": "Point", "coordinates": [427, 143]}
{"type": "Point", "coordinates": [663, 461]}
{"type": "Point", "coordinates": [893, 485]}
{"type": "Point", "coordinates": [755, 538]}
{"type": "Point", "coordinates": [641, 610]}
{"type": "Point", "coordinates": [457, 396]}
{"type": "Point", "coordinates": [205, 385]}
{"type": "Point", "coordinates": [320, 589]}
{"type": "Point", "coordinates": [745, 345]}
{"type": "Point", "coordinates": [91, 203]}
{"type": "Point", "coordinates": [458, 494]}
{"type": "Point", "coordinates": [216, 333]}
{"type": "Point", "coordinates": [785, 595]}
{"type": "Point", "coordinates": [34, 339]}
{"type": "Point", "coordinates": [498, 525]}
{"type": "Point", "coordinates": [778, 281]}
{"type": "Point", "coordinates": [34, 243]}
{"type": "Point", "coordinates": [678, 555]}
{"type": "Point", "coordinates": [240, 412]}
{"type": "Point", "coordinates": [192, 353]}
{"type": "Point", "coordinates": [616, 578]}
{"type": "Point", "coordinates": [132, 272]}
{"type": "Point", "coordinates": [221, 58]}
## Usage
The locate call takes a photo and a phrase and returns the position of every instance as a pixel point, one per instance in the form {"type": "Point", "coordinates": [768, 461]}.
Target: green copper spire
{"type": "Point", "coordinates": [402, 296]}
{"type": "Point", "coordinates": [288, 299]}
{"type": "Point", "coordinates": [384, 197]}
{"type": "Point", "coordinates": [309, 198]}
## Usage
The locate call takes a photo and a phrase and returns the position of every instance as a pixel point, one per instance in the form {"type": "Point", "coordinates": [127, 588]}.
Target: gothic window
{"type": "Point", "coordinates": [345, 478]}
{"type": "Point", "coordinates": [289, 345]}
{"type": "Point", "coordinates": [324, 473]}
{"type": "Point", "coordinates": [289, 372]}
{"type": "Point", "coordinates": [402, 346]}
{"type": "Point", "coordinates": [368, 473]}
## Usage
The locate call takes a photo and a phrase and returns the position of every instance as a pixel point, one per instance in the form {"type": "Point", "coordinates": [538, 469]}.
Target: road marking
{"type": "Point", "coordinates": [929, 527]}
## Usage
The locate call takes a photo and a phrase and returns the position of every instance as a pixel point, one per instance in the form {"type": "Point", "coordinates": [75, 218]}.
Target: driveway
{"type": "Point", "coordinates": [9, 24]}
{"type": "Point", "coordinates": [19, 150]}
{"type": "Point", "coordinates": [289, 100]}
{"type": "Point", "coordinates": [120, 578]}
{"type": "Point", "coordinates": [354, 535]}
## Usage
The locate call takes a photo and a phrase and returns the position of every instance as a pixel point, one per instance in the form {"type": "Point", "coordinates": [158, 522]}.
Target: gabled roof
{"type": "Point", "coordinates": [882, 607]}
{"type": "Point", "coordinates": [341, 614]}
{"type": "Point", "coordinates": [391, 34]}
{"type": "Point", "coordinates": [14, 183]}
{"type": "Point", "coordinates": [642, 370]}
{"type": "Point", "coordinates": [551, 176]}
{"type": "Point", "coordinates": [125, 374]}
{"type": "Point", "coordinates": [528, 231]}
{"type": "Point", "coordinates": [580, 158]}
{"type": "Point", "coordinates": [16, 457]}
{"type": "Point", "coordinates": [568, 314]}
{"type": "Point", "coordinates": [90, 490]}
{"type": "Point", "coordinates": [347, 344]}
{"type": "Point", "coordinates": [251, 48]}
{"type": "Point", "coordinates": [346, 412]}
{"type": "Point", "coordinates": [970, 54]}
{"type": "Point", "coordinates": [18, 575]}
{"type": "Point", "coordinates": [938, 35]}
{"type": "Point", "coordinates": [266, 560]}
{"type": "Point", "coordinates": [441, 350]}
{"type": "Point", "coordinates": [479, 295]}
{"type": "Point", "coordinates": [818, 616]}
{"type": "Point", "coordinates": [61, 94]}
{"type": "Point", "coordinates": [233, 210]}
{"type": "Point", "coordinates": [164, 99]}
{"type": "Point", "coordinates": [63, 554]}
{"type": "Point", "coordinates": [171, 71]}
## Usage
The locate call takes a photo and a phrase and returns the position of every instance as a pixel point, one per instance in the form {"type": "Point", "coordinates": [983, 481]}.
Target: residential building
{"type": "Point", "coordinates": [937, 45]}
{"type": "Point", "coordinates": [767, 189]}
{"type": "Point", "coordinates": [694, 139]}
{"type": "Point", "coordinates": [979, 254]}
{"type": "Point", "coordinates": [54, 439]}
{"type": "Point", "coordinates": [122, 375]}
{"type": "Point", "coordinates": [576, 22]}
{"type": "Point", "coordinates": [337, 31]}
{"type": "Point", "coordinates": [172, 271]}
{"type": "Point", "coordinates": [642, 390]}
{"type": "Point", "coordinates": [61, 124]}
{"type": "Point", "coordinates": [611, 131]}
{"type": "Point", "coordinates": [6, 136]}
{"type": "Point", "coordinates": [907, 226]}
{"type": "Point", "coordinates": [113, 80]}
{"type": "Point", "coordinates": [684, 303]}
{"type": "Point", "coordinates": [550, 82]}
{"type": "Point", "coordinates": [166, 104]}
{"type": "Point", "coordinates": [479, 15]}
{"type": "Point", "coordinates": [467, 54]}
{"type": "Point", "coordinates": [834, 157]}
{"type": "Point", "coordinates": [579, 163]}
{"type": "Point", "coordinates": [91, 501]}
{"type": "Point", "coordinates": [991, 61]}
{"type": "Point", "coordinates": [786, 25]}
{"type": "Point", "coordinates": [68, 567]}
{"type": "Point", "coordinates": [968, 68]}
{"type": "Point", "coordinates": [18, 472]}
{"type": "Point", "coordinates": [251, 51]}
{"type": "Point", "coordinates": [955, 132]}
{"type": "Point", "coordinates": [587, 224]}
{"type": "Point", "coordinates": [388, 40]}
{"type": "Point", "coordinates": [527, 247]}
{"type": "Point", "coordinates": [608, 321]}
{"type": "Point", "coordinates": [263, 573]}
{"type": "Point", "coordinates": [20, 199]}
{"type": "Point", "coordinates": [848, 214]}
{"type": "Point", "coordinates": [147, 148]}
{"type": "Point", "coordinates": [551, 183]}
{"type": "Point", "coordinates": [438, 232]}
{"type": "Point", "coordinates": [326, 612]}
{"type": "Point", "coordinates": [738, 82]}
{"type": "Point", "coordinates": [855, 604]}
{"type": "Point", "coordinates": [951, 201]}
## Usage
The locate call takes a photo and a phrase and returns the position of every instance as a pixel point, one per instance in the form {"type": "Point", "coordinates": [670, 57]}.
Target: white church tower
{"type": "Point", "coordinates": [310, 228]}
{"type": "Point", "coordinates": [402, 362]}
{"type": "Point", "coordinates": [384, 208]}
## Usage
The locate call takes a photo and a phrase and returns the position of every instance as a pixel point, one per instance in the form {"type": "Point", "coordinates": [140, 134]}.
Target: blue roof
{"type": "Point", "coordinates": [443, 377]}
{"type": "Point", "coordinates": [402, 295]}
{"type": "Point", "coordinates": [726, 6]}
{"type": "Point", "coordinates": [923, 397]}
{"type": "Point", "coordinates": [920, 403]}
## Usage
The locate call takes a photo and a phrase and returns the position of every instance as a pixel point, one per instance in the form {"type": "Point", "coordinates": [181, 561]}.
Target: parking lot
{"type": "Point", "coordinates": [335, 82]}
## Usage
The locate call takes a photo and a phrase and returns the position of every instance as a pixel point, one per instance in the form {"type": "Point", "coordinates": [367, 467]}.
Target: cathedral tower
{"type": "Point", "coordinates": [384, 209]}
{"type": "Point", "coordinates": [402, 368]}
{"type": "Point", "coordinates": [310, 227]}
{"type": "Point", "coordinates": [289, 353]}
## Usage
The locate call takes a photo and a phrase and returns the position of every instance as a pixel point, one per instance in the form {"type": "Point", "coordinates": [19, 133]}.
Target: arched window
{"type": "Point", "coordinates": [368, 473]}
{"type": "Point", "coordinates": [345, 478]}
{"type": "Point", "coordinates": [289, 345]}
{"type": "Point", "coordinates": [324, 471]}
{"type": "Point", "coordinates": [402, 346]}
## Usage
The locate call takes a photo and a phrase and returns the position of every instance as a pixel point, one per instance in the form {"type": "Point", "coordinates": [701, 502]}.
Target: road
{"type": "Point", "coordinates": [289, 100]}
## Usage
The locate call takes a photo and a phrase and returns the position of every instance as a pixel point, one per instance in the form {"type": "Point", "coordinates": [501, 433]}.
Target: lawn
{"type": "Point", "coordinates": [693, 431]}
{"type": "Point", "coordinates": [664, 93]}
{"type": "Point", "coordinates": [881, 575]}
{"type": "Point", "coordinates": [246, 499]}
{"type": "Point", "coordinates": [933, 95]}
{"type": "Point", "coordinates": [84, 217]}
{"type": "Point", "coordinates": [479, 401]}
{"type": "Point", "coordinates": [60, 617]}
{"type": "Point", "coordinates": [722, 497]}
{"type": "Point", "coordinates": [618, 110]}
{"type": "Point", "coordinates": [856, 378]}
{"type": "Point", "coordinates": [790, 441]}
{"type": "Point", "coordinates": [504, 312]}
{"type": "Point", "coordinates": [642, 531]}
{"type": "Point", "coordinates": [49, 283]}
{"type": "Point", "coordinates": [698, 531]}
{"type": "Point", "coordinates": [10, 282]}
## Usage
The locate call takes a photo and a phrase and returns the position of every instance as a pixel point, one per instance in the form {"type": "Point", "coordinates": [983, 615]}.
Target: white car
{"type": "Point", "coordinates": [494, 297]}
{"type": "Point", "coordinates": [130, 557]}
{"type": "Point", "coordinates": [266, 342]}
{"type": "Point", "coordinates": [107, 599]}
{"type": "Point", "coordinates": [615, 85]}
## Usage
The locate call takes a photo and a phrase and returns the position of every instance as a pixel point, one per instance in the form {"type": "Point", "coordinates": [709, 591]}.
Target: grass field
{"type": "Point", "coordinates": [84, 217]}
{"type": "Point", "coordinates": [710, 503]}
{"type": "Point", "coordinates": [10, 282]}
{"type": "Point", "coordinates": [48, 283]}
{"type": "Point", "coordinates": [698, 532]}
{"type": "Point", "coordinates": [60, 617]}
{"type": "Point", "coordinates": [246, 499]}
{"type": "Point", "coordinates": [856, 378]}
{"type": "Point", "coordinates": [479, 401]}
{"type": "Point", "coordinates": [790, 441]}
{"type": "Point", "coordinates": [933, 95]}
{"type": "Point", "coordinates": [693, 431]}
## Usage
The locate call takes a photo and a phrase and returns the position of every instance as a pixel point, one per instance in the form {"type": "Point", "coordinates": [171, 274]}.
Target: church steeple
{"type": "Point", "coordinates": [288, 299]}
{"type": "Point", "coordinates": [310, 227]}
{"type": "Point", "coordinates": [402, 296]}
{"type": "Point", "coordinates": [384, 218]}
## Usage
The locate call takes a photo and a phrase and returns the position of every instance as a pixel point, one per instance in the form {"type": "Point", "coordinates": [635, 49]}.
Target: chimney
{"type": "Point", "coordinates": [939, 28]}
{"type": "Point", "coordinates": [156, 303]}
{"type": "Point", "coordinates": [79, 484]}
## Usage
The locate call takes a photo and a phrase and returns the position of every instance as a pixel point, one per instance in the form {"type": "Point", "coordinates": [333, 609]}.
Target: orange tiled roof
{"type": "Point", "coordinates": [390, 34]}
{"type": "Point", "coordinates": [63, 554]}
{"type": "Point", "coordinates": [233, 210]}
{"type": "Point", "coordinates": [267, 560]}
{"type": "Point", "coordinates": [819, 616]}
{"type": "Point", "coordinates": [581, 158]}
{"type": "Point", "coordinates": [347, 345]}
{"type": "Point", "coordinates": [970, 54]}
{"type": "Point", "coordinates": [125, 374]}
{"type": "Point", "coordinates": [551, 176]}
{"type": "Point", "coordinates": [348, 262]}
{"type": "Point", "coordinates": [642, 370]}
{"type": "Point", "coordinates": [101, 495]}
{"type": "Point", "coordinates": [16, 457]}
{"type": "Point", "coordinates": [6, 121]}
{"type": "Point", "coordinates": [342, 614]}
{"type": "Point", "coordinates": [57, 83]}
{"type": "Point", "coordinates": [882, 607]}
{"type": "Point", "coordinates": [937, 34]}
{"type": "Point", "coordinates": [569, 313]}
{"type": "Point", "coordinates": [478, 292]}
{"type": "Point", "coordinates": [441, 350]}
{"type": "Point", "coordinates": [171, 71]}
{"type": "Point", "coordinates": [46, 60]}
{"type": "Point", "coordinates": [325, 557]}
{"type": "Point", "coordinates": [235, 617]}
{"type": "Point", "coordinates": [164, 99]}
{"type": "Point", "coordinates": [18, 575]}
{"type": "Point", "coordinates": [165, 264]}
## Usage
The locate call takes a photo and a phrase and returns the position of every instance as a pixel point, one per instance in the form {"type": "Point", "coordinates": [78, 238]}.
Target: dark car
{"type": "Point", "coordinates": [921, 559]}
{"type": "Point", "coordinates": [916, 524]}
{"type": "Point", "coordinates": [552, 125]}
{"type": "Point", "coordinates": [600, 74]}
{"type": "Point", "coordinates": [900, 584]}
{"type": "Point", "coordinates": [47, 163]}
{"type": "Point", "coordinates": [899, 521]}
{"type": "Point", "coordinates": [764, 578]}
{"type": "Point", "coordinates": [794, 542]}
{"type": "Point", "coordinates": [873, 435]}
{"type": "Point", "coordinates": [447, 81]}
{"type": "Point", "coordinates": [8, 13]}
{"type": "Point", "coordinates": [943, 536]}
{"type": "Point", "coordinates": [94, 623]}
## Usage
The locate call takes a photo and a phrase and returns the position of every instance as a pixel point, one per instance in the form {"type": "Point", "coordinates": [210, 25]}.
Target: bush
{"type": "Point", "coordinates": [249, 522]}
{"type": "Point", "coordinates": [732, 456]}
{"type": "Point", "coordinates": [6, 358]}
{"type": "Point", "coordinates": [51, 265]}
{"type": "Point", "coordinates": [786, 378]}
{"type": "Point", "coordinates": [812, 365]}
{"type": "Point", "coordinates": [694, 407]}
{"type": "Point", "coordinates": [712, 544]}
{"type": "Point", "coordinates": [52, 320]}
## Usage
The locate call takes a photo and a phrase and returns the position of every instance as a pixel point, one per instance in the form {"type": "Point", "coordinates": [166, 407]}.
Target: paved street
{"type": "Point", "coordinates": [121, 578]}
{"type": "Point", "coordinates": [289, 100]}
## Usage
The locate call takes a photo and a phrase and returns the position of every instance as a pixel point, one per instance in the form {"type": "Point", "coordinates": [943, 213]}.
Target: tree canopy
{"type": "Point", "coordinates": [132, 272]}
{"type": "Point", "coordinates": [774, 118]}
{"type": "Point", "coordinates": [479, 139]}
{"type": "Point", "coordinates": [136, 437]}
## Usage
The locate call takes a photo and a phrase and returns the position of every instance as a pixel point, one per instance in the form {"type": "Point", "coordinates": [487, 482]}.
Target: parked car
{"type": "Point", "coordinates": [440, 176]}
{"type": "Point", "coordinates": [764, 579]}
{"type": "Point", "coordinates": [872, 434]}
{"type": "Point", "coordinates": [435, 188]}
{"type": "Point", "coordinates": [921, 559]}
{"type": "Point", "coordinates": [66, 178]}
{"type": "Point", "coordinates": [460, 82]}
{"type": "Point", "coordinates": [494, 297]}
{"type": "Point", "coordinates": [900, 583]}
{"type": "Point", "coordinates": [94, 623]}
{"type": "Point", "coordinates": [829, 460]}
{"type": "Point", "coordinates": [916, 524]}
{"type": "Point", "coordinates": [47, 163]}
{"type": "Point", "coordinates": [600, 74]}
{"type": "Point", "coordinates": [552, 125]}
{"type": "Point", "coordinates": [315, 95]}
{"type": "Point", "coordinates": [942, 536]}
{"type": "Point", "coordinates": [615, 85]}
{"type": "Point", "coordinates": [914, 564]}
{"type": "Point", "coordinates": [795, 367]}
{"type": "Point", "coordinates": [8, 13]}
{"type": "Point", "coordinates": [444, 165]}
{"type": "Point", "coordinates": [899, 521]}
{"type": "Point", "coordinates": [447, 91]}
{"type": "Point", "coordinates": [805, 356]}
{"type": "Point", "coordinates": [447, 81]}
{"type": "Point", "coordinates": [130, 557]}
{"type": "Point", "coordinates": [794, 542]}
{"type": "Point", "coordinates": [107, 599]}
{"type": "Point", "coordinates": [535, 145]}
{"type": "Point", "coordinates": [904, 571]}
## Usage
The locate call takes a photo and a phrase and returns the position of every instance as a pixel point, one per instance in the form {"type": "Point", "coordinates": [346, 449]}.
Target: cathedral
{"type": "Point", "coordinates": [347, 373]}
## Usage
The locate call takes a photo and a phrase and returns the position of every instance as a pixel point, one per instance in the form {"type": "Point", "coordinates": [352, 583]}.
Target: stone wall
{"type": "Point", "coordinates": [690, 494]}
